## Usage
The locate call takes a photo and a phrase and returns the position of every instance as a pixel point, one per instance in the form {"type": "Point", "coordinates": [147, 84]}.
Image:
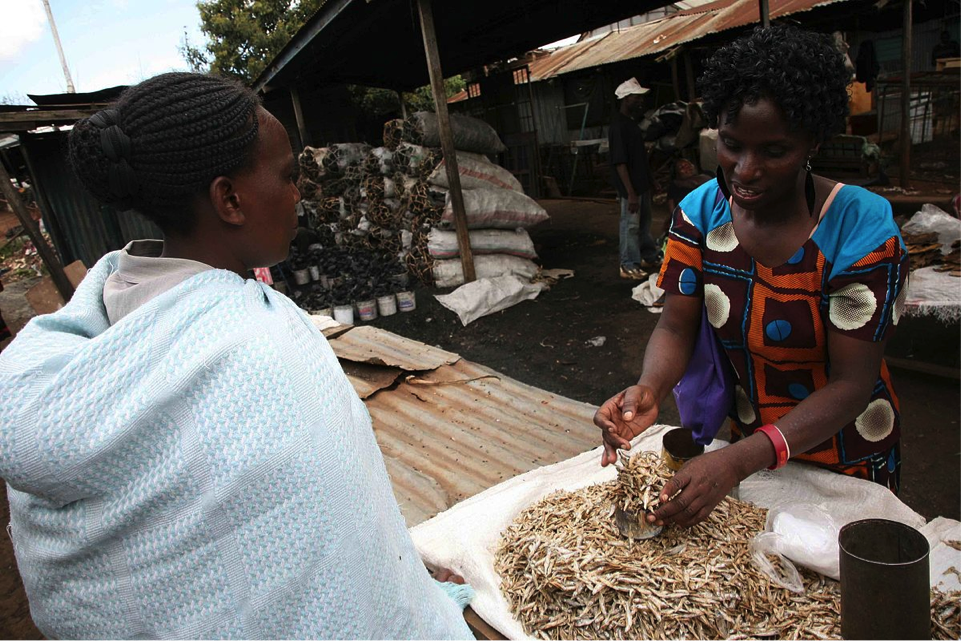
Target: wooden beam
{"type": "Point", "coordinates": [446, 136]}
{"type": "Point", "coordinates": [765, 11]}
{"type": "Point", "coordinates": [906, 97]}
{"type": "Point", "coordinates": [47, 254]}
{"type": "Point", "coordinates": [925, 368]}
{"type": "Point", "coordinates": [689, 73]}
{"type": "Point", "coordinates": [45, 116]}
{"type": "Point", "coordinates": [299, 115]}
{"type": "Point", "coordinates": [481, 629]}
{"type": "Point", "coordinates": [675, 78]}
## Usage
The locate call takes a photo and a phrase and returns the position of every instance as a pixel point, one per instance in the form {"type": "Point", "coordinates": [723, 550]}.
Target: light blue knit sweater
{"type": "Point", "coordinates": [202, 468]}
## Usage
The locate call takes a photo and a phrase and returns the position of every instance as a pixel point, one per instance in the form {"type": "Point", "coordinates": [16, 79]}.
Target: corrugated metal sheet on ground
{"type": "Point", "coordinates": [375, 346]}
{"type": "Point", "coordinates": [445, 443]}
{"type": "Point", "coordinates": [664, 34]}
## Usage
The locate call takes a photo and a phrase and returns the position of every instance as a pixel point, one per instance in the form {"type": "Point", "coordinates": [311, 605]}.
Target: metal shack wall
{"type": "Point", "coordinates": [81, 228]}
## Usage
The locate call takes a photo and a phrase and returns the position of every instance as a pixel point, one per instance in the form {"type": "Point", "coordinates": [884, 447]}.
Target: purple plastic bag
{"type": "Point", "coordinates": [705, 393]}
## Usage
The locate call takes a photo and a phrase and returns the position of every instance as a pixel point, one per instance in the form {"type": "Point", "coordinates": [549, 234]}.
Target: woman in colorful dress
{"type": "Point", "coordinates": [802, 277]}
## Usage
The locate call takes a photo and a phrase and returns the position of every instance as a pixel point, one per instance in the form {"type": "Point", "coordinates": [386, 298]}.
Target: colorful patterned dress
{"type": "Point", "coordinates": [848, 277]}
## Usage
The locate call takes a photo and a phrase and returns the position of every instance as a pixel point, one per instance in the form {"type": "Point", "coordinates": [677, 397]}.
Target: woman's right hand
{"type": "Point", "coordinates": [624, 416]}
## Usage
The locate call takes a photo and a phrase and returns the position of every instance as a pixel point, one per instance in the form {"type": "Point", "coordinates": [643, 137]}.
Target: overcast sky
{"type": "Point", "coordinates": [106, 43]}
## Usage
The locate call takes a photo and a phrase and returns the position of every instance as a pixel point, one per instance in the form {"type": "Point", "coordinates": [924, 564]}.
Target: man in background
{"type": "Point", "coordinates": [632, 179]}
{"type": "Point", "coordinates": [946, 48]}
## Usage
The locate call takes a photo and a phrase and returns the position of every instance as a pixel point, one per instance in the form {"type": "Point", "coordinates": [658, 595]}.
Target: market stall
{"type": "Point", "coordinates": [469, 450]}
{"type": "Point", "coordinates": [927, 338]}
{"type": "Point", "coordinates": [467, 539]}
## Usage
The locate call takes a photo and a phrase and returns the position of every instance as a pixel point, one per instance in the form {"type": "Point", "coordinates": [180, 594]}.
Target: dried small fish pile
{"type": "Point", "coordinates": [923, 249]}
{"type": "Point", "coordinates": [567, 574]}
{"type": "Point", "coordinates": [639, 481]}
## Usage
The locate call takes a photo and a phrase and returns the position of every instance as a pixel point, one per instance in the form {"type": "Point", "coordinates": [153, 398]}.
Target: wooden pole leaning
{"type": "Point", "coordinates": [299, 116]}
{"type": "Point", "coordinates": [905, 142]}
{"type": "Point", "coordinates": [446, 137]}
{"type": "Point", "coordinates": [60, 280]}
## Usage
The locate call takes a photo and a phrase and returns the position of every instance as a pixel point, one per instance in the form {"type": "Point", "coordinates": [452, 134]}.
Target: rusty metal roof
{"type": "Point", "coordinates": [446, 443]}
{"type": "Point", "coordinates": [456, 430]}
{"type": "Point", "coordinates": [378, 347]}
{"type": "Point", "coordinates": [662, 35]}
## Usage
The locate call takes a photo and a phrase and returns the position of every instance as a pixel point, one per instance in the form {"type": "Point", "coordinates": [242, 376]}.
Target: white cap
{"type": "Point", "coordinates": [628, 87]}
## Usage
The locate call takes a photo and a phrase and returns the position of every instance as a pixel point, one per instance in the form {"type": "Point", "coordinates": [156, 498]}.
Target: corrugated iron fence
{"type": "Point", "coordinates": [81, 228]}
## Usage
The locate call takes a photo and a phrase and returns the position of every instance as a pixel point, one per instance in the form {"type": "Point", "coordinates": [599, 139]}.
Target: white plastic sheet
{"type": "Point", "coordinates": [465, 537]}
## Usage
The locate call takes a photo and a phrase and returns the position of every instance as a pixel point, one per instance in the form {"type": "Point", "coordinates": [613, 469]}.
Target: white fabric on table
{"type": "Point", "coordinates": [932, 293]}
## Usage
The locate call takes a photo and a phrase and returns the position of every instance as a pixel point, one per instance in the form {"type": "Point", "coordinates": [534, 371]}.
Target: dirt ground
{"type": "Point", "coordinates": [546, 343]}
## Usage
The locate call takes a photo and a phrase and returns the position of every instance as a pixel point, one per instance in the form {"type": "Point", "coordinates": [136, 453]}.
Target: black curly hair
{"type": "Point", "coordinates": [163, 142]}
{"type": "Point", "coordinates": [801, 71]}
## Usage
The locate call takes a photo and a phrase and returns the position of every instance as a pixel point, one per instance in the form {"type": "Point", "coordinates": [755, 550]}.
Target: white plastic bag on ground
{"type": "Point", "coordinates": [476, 172]}
{"type": "Point", "coordinates": [488, 295]}
{"type": "Point", "coordinates": [450, 273]}
{"type": "Point", "coordinates": [648, 293]}
{"type": "Point", "coordinates": [443, 244]}
{"type": "Point", "coordinates": [496, 208]}
{"type": "Point", "coordinates": [803, 533]}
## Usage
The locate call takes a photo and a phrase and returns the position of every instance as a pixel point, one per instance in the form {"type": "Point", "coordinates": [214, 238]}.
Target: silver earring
{"type": "Point", "coordinates": [807, 166]}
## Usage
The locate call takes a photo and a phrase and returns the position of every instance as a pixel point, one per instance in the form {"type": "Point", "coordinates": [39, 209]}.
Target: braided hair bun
{"type": "Point", "coordinates": [163, 143]}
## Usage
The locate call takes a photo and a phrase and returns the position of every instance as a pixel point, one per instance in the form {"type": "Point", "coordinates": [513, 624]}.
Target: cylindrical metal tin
{"type": "Point", "coordinates": [678, 447]}
{"type": "Point", "coordinates": [885, 581]}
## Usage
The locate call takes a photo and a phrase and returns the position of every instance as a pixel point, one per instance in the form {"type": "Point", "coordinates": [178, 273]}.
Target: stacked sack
{"type": "Point", "coordinates": [394, 200]}
{"type": "Point", "coordinates": [497, 210]}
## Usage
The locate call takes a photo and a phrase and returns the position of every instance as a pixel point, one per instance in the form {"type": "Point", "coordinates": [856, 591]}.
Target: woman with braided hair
{"type": "Point", "coordinates": [801, 278]}
{"type": "Point", "coordinates": [184, 456]}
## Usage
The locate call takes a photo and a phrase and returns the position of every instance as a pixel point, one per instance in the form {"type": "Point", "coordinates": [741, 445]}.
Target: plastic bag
{"type": "Point", "coordinates": [803, 533]}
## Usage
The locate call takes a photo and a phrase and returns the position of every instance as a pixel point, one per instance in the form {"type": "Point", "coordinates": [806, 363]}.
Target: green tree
{"type": "Point", "coordinates": [244, 35]}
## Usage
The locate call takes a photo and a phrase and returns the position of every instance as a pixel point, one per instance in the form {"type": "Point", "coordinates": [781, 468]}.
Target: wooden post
{"type": "Point", "coordinates": [446, 136]}
{"type": "Point", "coordinates": [689, 73]}
{"type": "Point", "coordinates": [765, 14]}
{"type": "Point", "coordinates": [60, 279]}
{"type": "Point", "coordinates": [299, 115]}
{"type": "Point", "coordinates": [675, 80]}
{"type": "Point", "coordinates": [906, 98]}
{"type": "Point", "coordinates": [403, 105]}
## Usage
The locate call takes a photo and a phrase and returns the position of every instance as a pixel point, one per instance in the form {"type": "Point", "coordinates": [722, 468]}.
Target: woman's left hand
{"type": "Point", "coordinates": [703, 482]}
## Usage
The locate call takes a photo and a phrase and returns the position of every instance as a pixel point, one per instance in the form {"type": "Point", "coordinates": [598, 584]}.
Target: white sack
{"type": "Point", "coordinates": [465, 537]}
{"type": "Point", "coordinates": [443, 244]}
{"type": "Point", "coordinates": [476, 172]}
{"type": "Point", "coordinates": [496, 208]}
{"type": "Point", "coordinates": [488, 295]}
{"type": "Point", "coordinates": [450, 273]}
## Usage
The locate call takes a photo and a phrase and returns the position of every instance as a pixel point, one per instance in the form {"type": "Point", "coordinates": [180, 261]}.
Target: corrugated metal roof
{"type": "Point", "coordinates": [378, 347]}
{"type": "Point", "coordinates": [661, 35]}
{"type": "Point", "coordinates": [459, 429]}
